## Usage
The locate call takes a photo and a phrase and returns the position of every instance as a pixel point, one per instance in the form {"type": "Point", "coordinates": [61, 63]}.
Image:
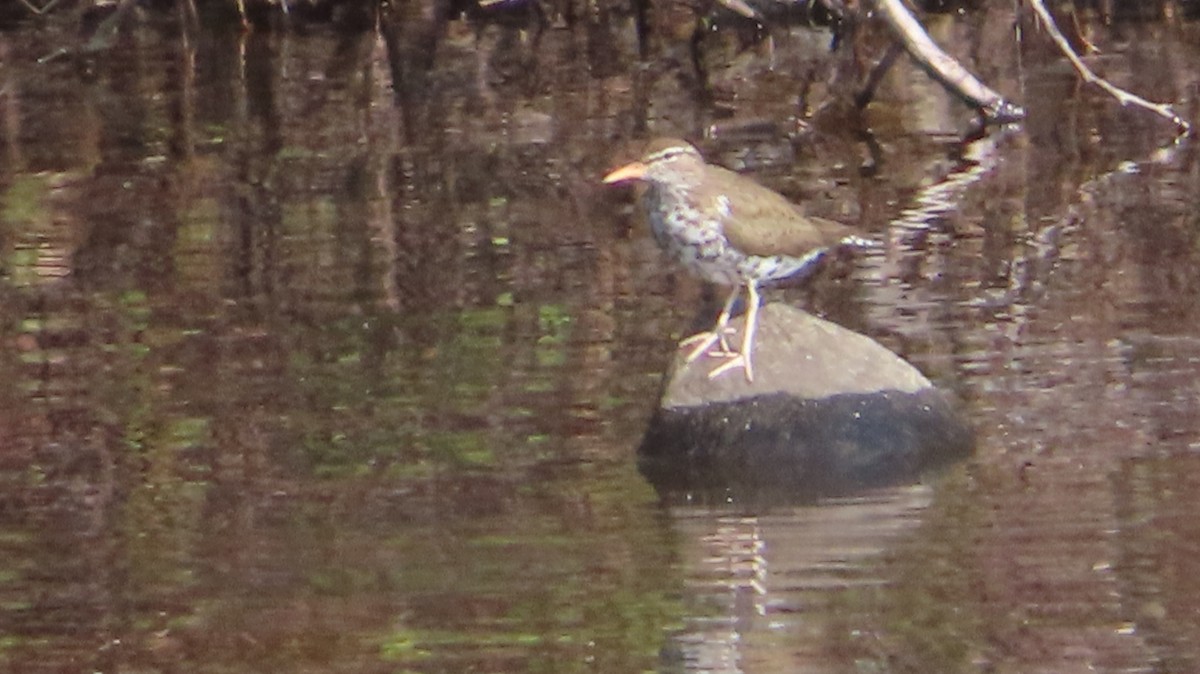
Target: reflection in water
{"type": "Point", "coordinates": [759, 584]}
{"type": "Point", "coordinates": [331, 354]}
{"type": "Point", "coordinates": [286, 403]}
{"type": "Point", "coordinates": [1156, 506]}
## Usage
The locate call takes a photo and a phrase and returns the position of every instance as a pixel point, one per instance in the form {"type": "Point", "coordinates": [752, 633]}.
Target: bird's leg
{"type": "Point", "coordinates": [722, 326]}
{"type": "Point", "coordinates": [751, 328]}
{"type": "Point", "coordinates": [704, 340]}
{"type": "Point", "coordinates": [743, 358]}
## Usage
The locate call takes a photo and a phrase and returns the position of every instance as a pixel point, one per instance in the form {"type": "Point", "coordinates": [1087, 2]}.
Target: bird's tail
{"type": "Point", "coordinates": [860, 242]}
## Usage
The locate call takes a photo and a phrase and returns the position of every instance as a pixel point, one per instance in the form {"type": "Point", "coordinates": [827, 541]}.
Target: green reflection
{"type": "Point", "coordinates": [466, 448]}
{"type": "Point", "coordinates": [23, 204]}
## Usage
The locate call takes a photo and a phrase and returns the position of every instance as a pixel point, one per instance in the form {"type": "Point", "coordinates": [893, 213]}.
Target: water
{"type": "Point", "coordinates": [321, 361]}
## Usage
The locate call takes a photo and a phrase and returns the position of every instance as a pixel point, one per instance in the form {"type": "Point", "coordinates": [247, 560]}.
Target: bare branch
{"type": "Point", "coordinates": [943, 67]}
{"type": "Point", "coordinates": [39, 10]}
{"type": "Point", "coordinates": [1123, 97]}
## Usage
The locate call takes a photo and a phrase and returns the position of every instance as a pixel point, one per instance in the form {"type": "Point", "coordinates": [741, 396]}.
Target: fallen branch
{"type": "Point", "coordinates": [943, 67]}
{"type": "Point", "coordinates": [1123, 97]}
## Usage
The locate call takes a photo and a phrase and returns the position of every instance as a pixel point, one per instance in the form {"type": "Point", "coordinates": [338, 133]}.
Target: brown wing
{"type": "Point", "coordinates": [763, 222]}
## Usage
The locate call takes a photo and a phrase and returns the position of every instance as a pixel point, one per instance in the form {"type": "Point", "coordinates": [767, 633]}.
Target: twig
{"type": "Point", "coordinates": [875, 77]}
{"type": "Point", "coordinates": [1123, 97]}
{"type": "Point", "coordinates": [39, 10]}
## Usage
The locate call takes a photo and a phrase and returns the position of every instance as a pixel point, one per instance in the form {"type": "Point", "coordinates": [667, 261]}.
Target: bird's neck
{"type": "Point", "coordinates": [677, 193]}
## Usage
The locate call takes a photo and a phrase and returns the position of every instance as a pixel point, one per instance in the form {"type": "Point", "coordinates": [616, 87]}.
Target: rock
{"type": "Point", "coordinates": [829, 412]}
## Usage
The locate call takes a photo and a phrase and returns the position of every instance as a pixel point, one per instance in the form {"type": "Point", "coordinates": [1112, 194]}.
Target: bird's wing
{"type": "Point", "coordinates": [769, 224]}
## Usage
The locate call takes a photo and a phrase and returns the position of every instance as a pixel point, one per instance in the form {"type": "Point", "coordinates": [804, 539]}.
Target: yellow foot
{"type": "Point", "coordinates": [735, 360]}
{"type": "Point", "coordinates": [704, 340]}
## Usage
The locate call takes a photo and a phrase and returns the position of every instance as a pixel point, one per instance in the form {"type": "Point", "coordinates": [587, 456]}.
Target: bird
{"type": "Point", "coordinates": [729, 230]}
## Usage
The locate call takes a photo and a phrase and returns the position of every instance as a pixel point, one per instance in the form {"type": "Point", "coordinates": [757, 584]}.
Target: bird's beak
{"type": "Point", "coordinates": [634, 171]}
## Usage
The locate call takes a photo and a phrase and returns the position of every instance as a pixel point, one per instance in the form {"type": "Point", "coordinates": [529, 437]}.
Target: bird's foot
{"type": "Point", "coordinates": [704, 340]}
{"type": "Point", "coordinates": [734, 361]}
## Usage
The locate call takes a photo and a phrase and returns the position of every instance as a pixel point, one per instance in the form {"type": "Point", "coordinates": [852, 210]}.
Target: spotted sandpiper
{"type": "Point", "coordinates": [729, 230]}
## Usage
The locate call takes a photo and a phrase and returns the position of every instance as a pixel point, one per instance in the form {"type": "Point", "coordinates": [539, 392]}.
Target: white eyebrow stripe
{"type": "Point", "coordinates": [669, 152]}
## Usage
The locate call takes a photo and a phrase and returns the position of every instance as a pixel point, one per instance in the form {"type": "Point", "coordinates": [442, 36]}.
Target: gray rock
{"type": "Point", "coordinates": [829, 412]}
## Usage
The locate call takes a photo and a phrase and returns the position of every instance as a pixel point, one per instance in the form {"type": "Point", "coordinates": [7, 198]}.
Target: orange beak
{"type": "Point", "coordinates": [634, 171]}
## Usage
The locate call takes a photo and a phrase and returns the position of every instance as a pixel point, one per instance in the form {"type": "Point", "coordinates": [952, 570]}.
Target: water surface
{"type": "Point", "coordinates": [328, 352]}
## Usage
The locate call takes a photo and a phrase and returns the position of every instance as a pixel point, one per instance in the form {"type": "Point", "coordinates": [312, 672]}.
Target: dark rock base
{"type": "Point", "coordinates": [780, 447]}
